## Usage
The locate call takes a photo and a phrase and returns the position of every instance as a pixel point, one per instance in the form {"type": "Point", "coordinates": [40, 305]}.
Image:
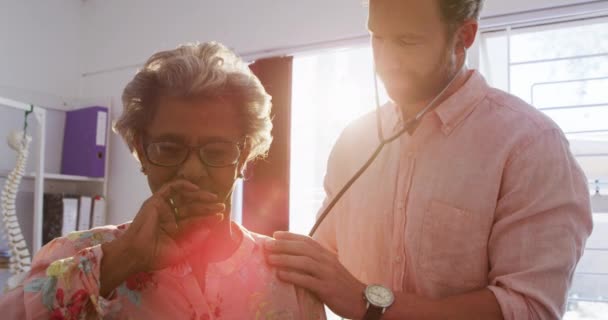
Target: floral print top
{"type": "Point", "coordinates": [64, 284]}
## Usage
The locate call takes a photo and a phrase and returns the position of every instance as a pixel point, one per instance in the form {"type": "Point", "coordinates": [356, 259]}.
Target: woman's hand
{"type": "Point", "coordinates": [160, 235]}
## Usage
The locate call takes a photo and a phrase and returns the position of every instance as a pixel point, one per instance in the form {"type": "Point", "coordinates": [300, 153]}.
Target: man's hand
{"type": "Point", "coordinates": [305, 263]}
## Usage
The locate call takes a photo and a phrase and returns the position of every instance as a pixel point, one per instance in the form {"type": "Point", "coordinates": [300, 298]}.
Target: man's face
{"type": "Point", "coordinates": [412, 50]}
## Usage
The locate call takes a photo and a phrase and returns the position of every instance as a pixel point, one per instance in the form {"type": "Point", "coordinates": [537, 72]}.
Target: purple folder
{"type": "Point", "coordinates": [84, 142]}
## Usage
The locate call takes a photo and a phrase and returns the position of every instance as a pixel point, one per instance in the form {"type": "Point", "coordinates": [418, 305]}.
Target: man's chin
{"type": "Point", "coordinates": [408, 94]}
{"type": "Point", "coordinates": [402, 95]}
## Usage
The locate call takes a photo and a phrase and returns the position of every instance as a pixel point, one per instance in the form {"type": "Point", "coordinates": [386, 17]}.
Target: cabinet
{"type": "Point", "coordinates": [40, 177]}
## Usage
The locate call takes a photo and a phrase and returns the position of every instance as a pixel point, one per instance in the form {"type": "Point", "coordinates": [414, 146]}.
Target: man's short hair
{"type": "Point", "coordinates": [455, 12]}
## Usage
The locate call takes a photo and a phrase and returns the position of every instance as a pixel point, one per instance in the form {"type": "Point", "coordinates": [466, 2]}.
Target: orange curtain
{"type": "Point", "coordinates": [266, 188]}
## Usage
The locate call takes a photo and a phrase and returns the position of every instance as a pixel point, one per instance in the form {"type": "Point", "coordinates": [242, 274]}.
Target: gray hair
{"type": "Point", "coordinates": [208, 70]}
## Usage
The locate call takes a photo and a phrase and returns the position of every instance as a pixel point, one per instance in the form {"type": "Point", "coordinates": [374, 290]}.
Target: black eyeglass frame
{"type": "Point", "coordinates": [239, 145]}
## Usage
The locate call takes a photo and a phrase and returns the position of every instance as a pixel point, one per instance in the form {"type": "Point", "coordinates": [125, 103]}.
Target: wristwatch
{"type": "Point", "coordinates": [378, 299]}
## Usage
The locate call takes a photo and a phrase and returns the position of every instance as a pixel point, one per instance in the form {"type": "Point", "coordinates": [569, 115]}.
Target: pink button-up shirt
{"type": "Point", "coordinates": [484, 194]}
{"type": "Point", "coordinates": [64, 284]}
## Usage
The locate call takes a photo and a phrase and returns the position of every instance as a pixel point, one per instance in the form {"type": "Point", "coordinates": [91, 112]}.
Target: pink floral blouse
{"type": "Point", "coordinates": [64, 284]}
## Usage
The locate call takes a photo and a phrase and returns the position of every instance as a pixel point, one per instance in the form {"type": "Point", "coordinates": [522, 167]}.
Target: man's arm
{"type": "Point", "coordinates": [480, 304]}
{"type": "Point", "coordinates": [306, 264]}
{"type": "Point", "coordinates": [543, 219]}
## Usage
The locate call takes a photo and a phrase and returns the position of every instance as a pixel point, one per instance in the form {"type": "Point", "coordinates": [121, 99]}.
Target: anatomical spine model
{"type": "Point", "coordinates": [20, 260]}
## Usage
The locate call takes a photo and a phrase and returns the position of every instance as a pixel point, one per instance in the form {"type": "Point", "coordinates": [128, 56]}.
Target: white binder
{"type": "Point", "coordinates": [99, 212]}
{"type": "Point", "coordinates": [70, 215]}
{"type": "Point", "coordinates": [84, 213]}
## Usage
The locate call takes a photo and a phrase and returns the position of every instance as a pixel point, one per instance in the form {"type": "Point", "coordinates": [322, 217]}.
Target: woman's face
{"type": "Point", "coordinates": [192, 122]}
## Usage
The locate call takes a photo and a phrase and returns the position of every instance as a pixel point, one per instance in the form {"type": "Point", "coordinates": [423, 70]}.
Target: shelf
{"type": "Point", "coordinates": [57, 177]}
{"type": "Point", "coordinates": [65, 177]}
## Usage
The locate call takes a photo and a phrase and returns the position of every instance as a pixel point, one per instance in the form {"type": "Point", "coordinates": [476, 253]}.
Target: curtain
{"type": "Point", "coordinates": [266, 186]}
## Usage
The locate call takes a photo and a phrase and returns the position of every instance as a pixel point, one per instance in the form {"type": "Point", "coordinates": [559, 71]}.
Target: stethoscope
{"type": "Point", "coordinates": [409, 126]}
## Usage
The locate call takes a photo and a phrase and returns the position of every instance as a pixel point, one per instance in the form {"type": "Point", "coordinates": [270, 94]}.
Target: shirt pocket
{"type": "Point", "coordinates": [453, 247]}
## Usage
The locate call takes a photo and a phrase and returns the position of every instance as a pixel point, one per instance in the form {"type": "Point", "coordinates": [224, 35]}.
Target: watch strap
{"type": "Point", "coordinates": [373, 312]}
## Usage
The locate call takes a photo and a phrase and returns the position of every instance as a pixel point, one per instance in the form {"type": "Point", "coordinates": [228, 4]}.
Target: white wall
{"type": "Point", "coordinates": [126, 32]}
{"type": "Point", "coordinates": [40, 50]}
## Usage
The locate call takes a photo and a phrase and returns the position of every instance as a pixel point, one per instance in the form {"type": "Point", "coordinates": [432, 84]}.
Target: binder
{"type": "Point", "coordinates": [84, 142]}
{"type": "Point", "coordinates": [52, 217]}
{"type": "Point", "coordinates": [98, 212]}
{"type": "Point", "coordinates": [70, 215]}
{"type": "Point", "coordinates": [84, 213]}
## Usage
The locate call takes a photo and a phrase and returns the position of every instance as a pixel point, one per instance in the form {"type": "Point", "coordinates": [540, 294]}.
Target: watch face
{"type": "Point", "coordinates": [379, 296]}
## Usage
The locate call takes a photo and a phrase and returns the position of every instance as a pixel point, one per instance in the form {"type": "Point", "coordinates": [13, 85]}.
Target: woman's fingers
{"type": "Point", "coordinates": [197, 209]}
{"type": "Point", "coordinates": [200, 203]}
{"type": "Point", "coordinates": [184, 212]}
{"type": "Point", "coordinates": [189, 212]}
{"type": "Point", "coordinates": [196, 196]}
{"type": "Point", "coordinates": [185, 199]}
{"type": "Point", "coordinates": [175, 187]}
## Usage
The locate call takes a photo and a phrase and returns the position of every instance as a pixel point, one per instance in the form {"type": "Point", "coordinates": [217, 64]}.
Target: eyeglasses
{"type": "Point", "coordinates": [213, 154]}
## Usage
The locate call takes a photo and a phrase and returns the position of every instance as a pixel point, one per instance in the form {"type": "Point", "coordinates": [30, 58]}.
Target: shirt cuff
{"type": "Point", "coordinates": [91, 281]}
{"type": "Point", "coordinates": [512, 305]}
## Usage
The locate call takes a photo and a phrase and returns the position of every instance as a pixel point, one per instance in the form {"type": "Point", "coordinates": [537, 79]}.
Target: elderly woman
{"type": "Point", "coordinates": [194, 117]}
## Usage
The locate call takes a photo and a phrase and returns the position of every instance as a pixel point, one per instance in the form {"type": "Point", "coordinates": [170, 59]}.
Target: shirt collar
{"type": "Point", "coordinates": [460, 104]}
{"type": "Point", "coordinates": [453, 110]}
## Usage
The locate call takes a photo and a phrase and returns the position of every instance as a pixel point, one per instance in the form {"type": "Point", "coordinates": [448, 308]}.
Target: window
{"type": "Point", "coordinates": [330, 90]}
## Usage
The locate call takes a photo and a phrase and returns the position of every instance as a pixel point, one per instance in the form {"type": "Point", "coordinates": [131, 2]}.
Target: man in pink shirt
{"type": "Point", "coordinates": [481, 212]}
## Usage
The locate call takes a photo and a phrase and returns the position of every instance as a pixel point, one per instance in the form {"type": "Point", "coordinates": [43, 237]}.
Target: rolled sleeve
{"type": "Point", "coordinates": [65, 279]}
{"type": "Point", "coordinates": [543, 219]}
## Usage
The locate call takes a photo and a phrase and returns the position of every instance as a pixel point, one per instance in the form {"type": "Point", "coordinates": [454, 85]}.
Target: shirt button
{"type": "Point", "coordinates": [398, 259]}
